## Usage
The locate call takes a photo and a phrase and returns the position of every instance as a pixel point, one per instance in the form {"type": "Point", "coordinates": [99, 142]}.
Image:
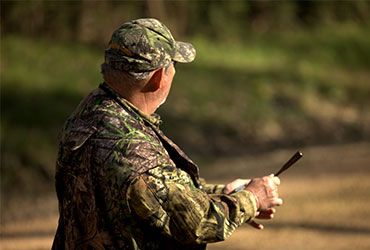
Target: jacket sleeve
{"type": "Point", "coordinates": [210, 188]}
{"type": "Point", "coordinates": [166, 198]}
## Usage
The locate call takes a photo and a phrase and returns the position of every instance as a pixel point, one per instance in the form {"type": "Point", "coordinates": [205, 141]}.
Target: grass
{"type": "Point", "coordinates": [282, 89]}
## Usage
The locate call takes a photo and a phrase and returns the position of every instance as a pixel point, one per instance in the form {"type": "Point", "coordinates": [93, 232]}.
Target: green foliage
{"type": "Point", "coordinates": [41, 83]}
{"type": "Point", "coordinates": [271, 90]}
{"type": "Point", "coordinates": [223, 20]}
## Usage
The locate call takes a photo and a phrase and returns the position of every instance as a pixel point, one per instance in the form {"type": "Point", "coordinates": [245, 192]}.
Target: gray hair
{"type": "Point", "coordinates": [132, 78]}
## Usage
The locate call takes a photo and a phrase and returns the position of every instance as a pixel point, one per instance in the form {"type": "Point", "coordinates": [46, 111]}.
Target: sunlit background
{"type": "Point", "coordinates": [269, 78]}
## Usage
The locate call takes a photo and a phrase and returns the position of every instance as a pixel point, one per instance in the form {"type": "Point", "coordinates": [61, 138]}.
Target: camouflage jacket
{"type": "Point", "coordinates": [122, 184]}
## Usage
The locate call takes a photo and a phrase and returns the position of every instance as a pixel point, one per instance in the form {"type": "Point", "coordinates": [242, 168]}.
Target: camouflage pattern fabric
{"type": "Point", "coordinates": [122, 184]}
{"type": "Point", "coordinates": [144, 45]}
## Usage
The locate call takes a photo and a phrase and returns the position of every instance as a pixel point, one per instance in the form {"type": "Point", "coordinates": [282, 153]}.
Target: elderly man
{"type": "Point", "coordinates": [121, 183]}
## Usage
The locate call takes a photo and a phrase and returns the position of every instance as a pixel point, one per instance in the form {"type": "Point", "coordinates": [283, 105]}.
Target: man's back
{"type": "Point", "coordinates": [104, 146]}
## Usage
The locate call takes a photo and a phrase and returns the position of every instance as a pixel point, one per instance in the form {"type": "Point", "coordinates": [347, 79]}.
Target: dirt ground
{"type": "Point", "coordinates": [326, 203]}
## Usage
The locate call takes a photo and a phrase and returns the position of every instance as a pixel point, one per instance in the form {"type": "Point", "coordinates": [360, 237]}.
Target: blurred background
{"type": "Point", "coordinates": [269, 78]}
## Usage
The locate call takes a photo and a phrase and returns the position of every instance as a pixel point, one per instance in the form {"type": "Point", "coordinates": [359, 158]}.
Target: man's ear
{"type": "Point", "coordinates": [155, 81]}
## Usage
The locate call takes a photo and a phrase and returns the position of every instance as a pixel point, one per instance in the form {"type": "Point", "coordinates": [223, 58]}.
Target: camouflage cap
{"type": "Point", "coordinates": [144, 45]}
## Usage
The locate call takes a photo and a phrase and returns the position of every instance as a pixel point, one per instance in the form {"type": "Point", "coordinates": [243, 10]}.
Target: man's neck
{"type": "Point", "coordinates": [138, 99]}
{"type": "Point", "coordinates": [140, 102]}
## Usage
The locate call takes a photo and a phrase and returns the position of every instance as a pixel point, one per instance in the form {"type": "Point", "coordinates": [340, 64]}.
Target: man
{"type": "Point", "coordinates": [121, 183]}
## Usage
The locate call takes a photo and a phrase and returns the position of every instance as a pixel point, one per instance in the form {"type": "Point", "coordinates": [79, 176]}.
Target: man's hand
{"type": "Point", "coordinates": [266, 191]}
{"type": "Point", "coordinates": [264, 215]}
{"type": "Point", "coordinates": [230, 187]}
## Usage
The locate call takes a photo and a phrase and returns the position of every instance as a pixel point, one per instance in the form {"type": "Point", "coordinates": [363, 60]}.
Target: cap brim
{"type": "Point", "coordinates": [185, 52]}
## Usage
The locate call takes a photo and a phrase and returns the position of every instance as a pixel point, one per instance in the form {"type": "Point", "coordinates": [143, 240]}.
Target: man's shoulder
{"type": "Point", "coordinates": [99, 110]}
{"type": "Point", "coordinates": [99, 116]}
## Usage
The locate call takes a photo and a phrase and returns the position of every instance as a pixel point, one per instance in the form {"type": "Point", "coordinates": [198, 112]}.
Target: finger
{"type": "Point", "coordinates": [265, 215]}
{"type": "Point", "coordinates": [268, 211]}
{"type": "Point", "coordinates": [273, 192]}
{"type": "Point", "coordinates": [277, 202]}
{"type": "Point", "coordinates": [255, 225]}
{"type": "Point", "coordinates": [272, 182]}
{"type": "Point", "coordinates": [276, 180]}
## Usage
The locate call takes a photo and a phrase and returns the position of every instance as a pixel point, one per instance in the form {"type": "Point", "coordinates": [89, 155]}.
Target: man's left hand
{"type": "Point", "coordinates": [230, 187]}
{"type": "Point", "coordinates": [267, 214]}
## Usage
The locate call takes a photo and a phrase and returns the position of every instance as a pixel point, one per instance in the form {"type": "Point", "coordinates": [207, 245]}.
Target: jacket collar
{"type": "Point", "coordinates": [153, 119]}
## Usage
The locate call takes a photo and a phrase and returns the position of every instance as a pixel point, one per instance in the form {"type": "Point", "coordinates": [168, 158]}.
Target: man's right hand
{"type": "Point", "coordinates": [265, 190]}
